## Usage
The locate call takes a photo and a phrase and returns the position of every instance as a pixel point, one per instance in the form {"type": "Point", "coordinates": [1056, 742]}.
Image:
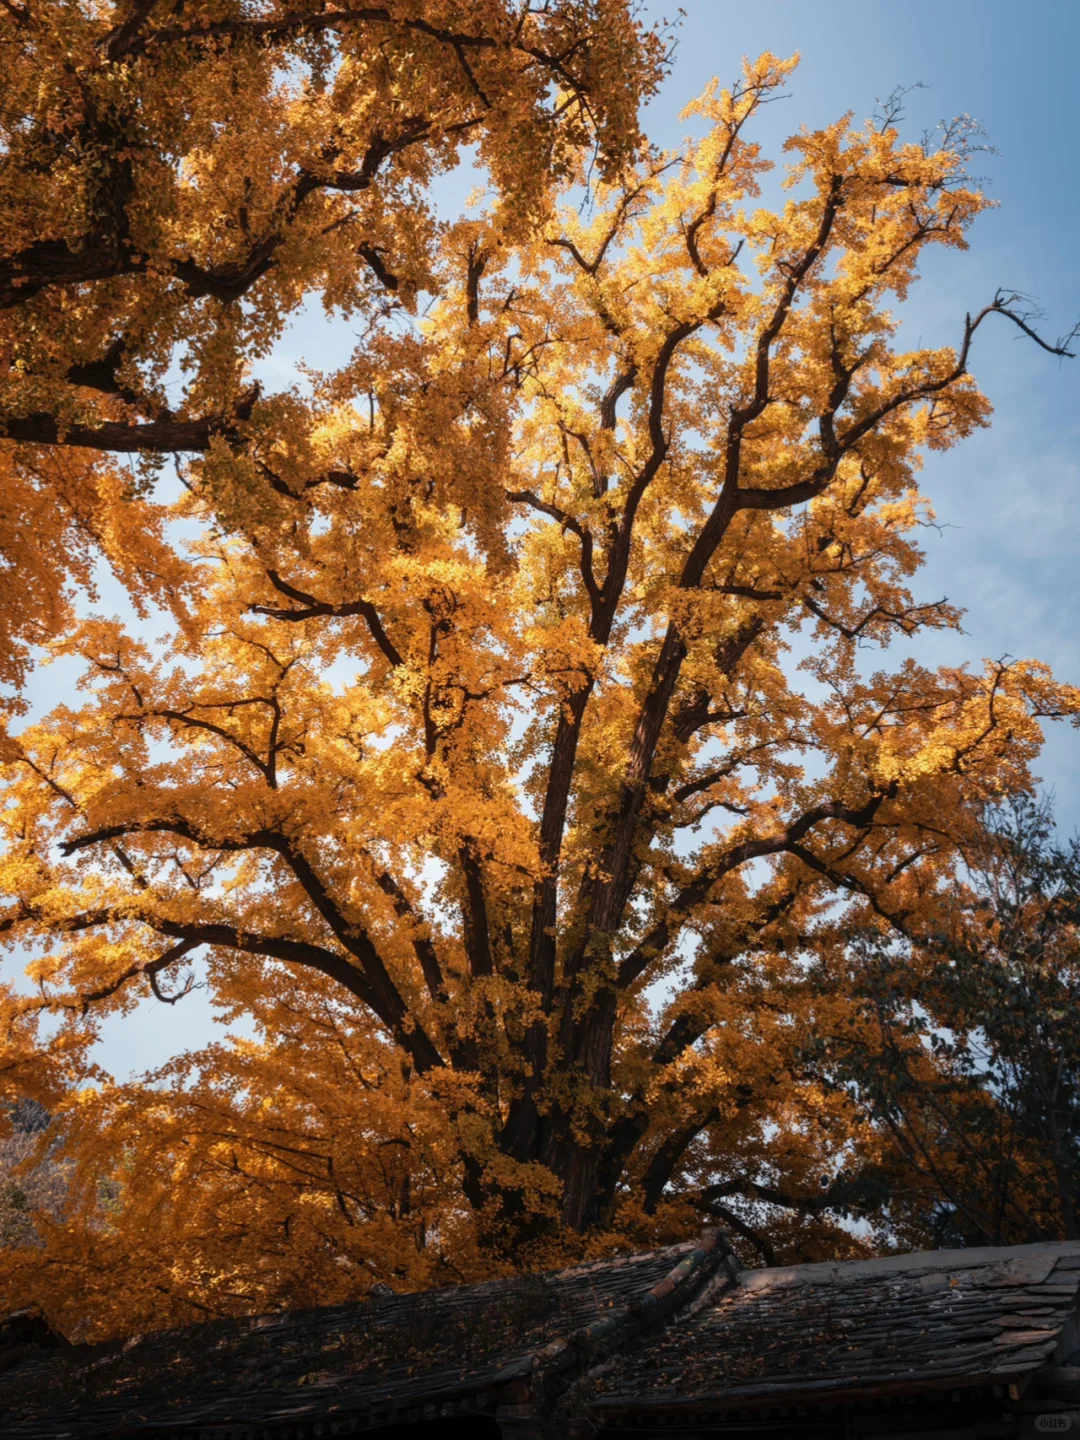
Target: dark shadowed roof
{"type": "Point", "coordinates": [907, 1324]}
{"type": "Point", "coordinates": [365, 1362]}
{"type": "Point", "coordinates": [643, 1342]}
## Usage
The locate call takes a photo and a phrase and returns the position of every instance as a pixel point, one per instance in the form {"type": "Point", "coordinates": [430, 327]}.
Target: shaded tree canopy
{"type": "Point", "coordinates": [968, 1054]}
{"type": "Point", "coordinates": [474, 772]}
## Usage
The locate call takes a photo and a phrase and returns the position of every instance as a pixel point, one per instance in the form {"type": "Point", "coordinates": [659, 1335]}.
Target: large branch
{"type": "Point", "coordinates": [586, 1029]}
{"type": "Point", "coordinates": [313, 22]}
{"type": "Point", "coordinates": [622, 211]}
{"type": "Point", "coordinates": [611, 893]}
{"type": "Point", "coordinates": [165, 435]}
{"type": "Point", "coordinates": [148, 437]}
{"type": "Point", "coordinates": [696, 891]}
{"type": "Point", "coordinates": [633, 1125]}
{"type": "Point", "coordinates": [312, 957]}
{"type": "Point", "coordinates": [572, 710]}
{"type": "Point", "coordinates": [618, 555]}
{"type": "Point", "coordinates": [188, 720]}
{"type": "Point", "coordinates": [105, 252]}
{"type": "Point", "coordinates": [667, 1156]}
{"type": "Point", "coordinates": [309, 21]}
{"type": "Point", "coordinates": [761, 1243]}
{"type": "Point", "coordinates": [732, 498]}
{"type": "Point", "coordinates": [122, 38]}
{"type": "Point", "coordinates": [477, 934]}
{"type": "Point", "coordinates": [568, 522]}
{"type": "Point", "coordinates": [379, 991]}
{"type": "Point", "coordinates": [423, 946]}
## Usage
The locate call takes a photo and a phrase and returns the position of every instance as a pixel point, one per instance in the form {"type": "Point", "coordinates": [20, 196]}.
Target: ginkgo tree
{"type": "Point", "coordinates": [478, 777]}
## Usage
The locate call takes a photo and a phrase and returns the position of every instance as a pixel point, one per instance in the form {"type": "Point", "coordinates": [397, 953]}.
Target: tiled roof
{"type": "Point", "coordinates": [365, 1362]}
{"type": "Point", "coordinates": [834, 1332]}
{"type": "Point", "coordinates": [672, 1332]}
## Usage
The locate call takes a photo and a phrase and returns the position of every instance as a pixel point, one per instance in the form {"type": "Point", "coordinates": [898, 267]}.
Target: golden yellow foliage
{"type": "Point", "coordinates": [477, 777]}
{"type": "Point", "coordinates": [177, 177]}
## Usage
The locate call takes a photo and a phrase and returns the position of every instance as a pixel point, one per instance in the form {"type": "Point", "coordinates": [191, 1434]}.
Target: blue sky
{"type": "Point", "coordinates": [1008, 500]}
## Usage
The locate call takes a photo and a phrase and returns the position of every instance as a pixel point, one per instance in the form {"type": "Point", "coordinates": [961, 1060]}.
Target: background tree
{"type": "Point", "coordinates": [476, 777]}
{"type": "Point", "coordinates": [972, 1055]}
{"type": "Point", "coordinates": [33, 1184]}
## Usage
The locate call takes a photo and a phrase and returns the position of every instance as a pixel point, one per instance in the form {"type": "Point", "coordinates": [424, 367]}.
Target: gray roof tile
{"type": "Point", "coordinates": [368, 1358]}
{"type": "Point", "coordinates": [673, 1328]}
{"type": "Point", "coordinates": [938, 1319]}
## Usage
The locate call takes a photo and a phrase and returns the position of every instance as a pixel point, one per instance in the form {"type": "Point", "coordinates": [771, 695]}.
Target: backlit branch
{"type": "Point", "coordinates": [696, 891]}
{"type": "Point", "coordinates": [307, 607]}
{"type": "Point", "coordinates": [377, 989]}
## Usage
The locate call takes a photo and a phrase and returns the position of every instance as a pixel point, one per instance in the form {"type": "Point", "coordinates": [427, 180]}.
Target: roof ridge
{"type": "Point", "coordinates": [640, 1310]}
{"type": "Point", "coordinates": [918, 1260]}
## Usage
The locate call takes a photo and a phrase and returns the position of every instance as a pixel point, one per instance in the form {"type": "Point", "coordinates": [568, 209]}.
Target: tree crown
{"type": "Point", "coordinates": [477, 775]}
